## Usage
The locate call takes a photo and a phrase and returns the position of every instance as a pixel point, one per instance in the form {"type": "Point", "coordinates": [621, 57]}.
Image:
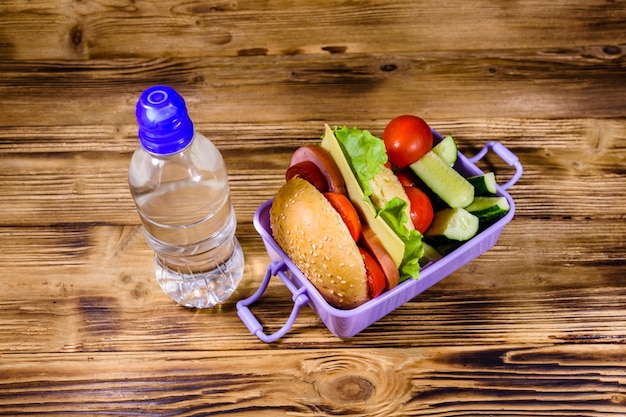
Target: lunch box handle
{"type": "Point", "coordinates": [506, 155]}
{"type": "Point", "coordinates": [249, 319]}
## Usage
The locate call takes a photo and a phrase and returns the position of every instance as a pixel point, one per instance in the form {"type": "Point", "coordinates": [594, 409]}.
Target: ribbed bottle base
{"type": "Point", "coordinates": [202, 289]}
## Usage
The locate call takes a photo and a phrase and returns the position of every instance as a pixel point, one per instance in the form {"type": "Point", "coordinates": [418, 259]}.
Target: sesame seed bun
{"type": "Point", "coordinates": [313, 235]}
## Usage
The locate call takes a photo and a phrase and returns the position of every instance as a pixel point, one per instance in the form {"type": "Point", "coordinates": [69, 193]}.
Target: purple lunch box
{"type": "Point", "coordinates": [347, 323]}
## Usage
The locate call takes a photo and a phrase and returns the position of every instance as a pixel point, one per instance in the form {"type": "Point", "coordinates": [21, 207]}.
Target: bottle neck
{"type": "Point", "coordinates": [175, 150]}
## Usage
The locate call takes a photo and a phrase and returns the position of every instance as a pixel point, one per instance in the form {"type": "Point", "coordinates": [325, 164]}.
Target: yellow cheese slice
{"type": "Point", "coordinates": [388, 238]}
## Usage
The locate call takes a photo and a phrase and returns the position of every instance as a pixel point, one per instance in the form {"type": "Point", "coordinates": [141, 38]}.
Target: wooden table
{"type": "Point", "coordinates": [535, 326]}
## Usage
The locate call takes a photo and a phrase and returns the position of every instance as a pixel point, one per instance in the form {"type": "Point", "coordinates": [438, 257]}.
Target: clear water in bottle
{"type": "Point", "coordinates": [180, 187]}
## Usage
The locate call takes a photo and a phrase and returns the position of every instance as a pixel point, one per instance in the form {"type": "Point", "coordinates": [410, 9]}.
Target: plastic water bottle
{"type": "Point", "coordinates": [179, 182]}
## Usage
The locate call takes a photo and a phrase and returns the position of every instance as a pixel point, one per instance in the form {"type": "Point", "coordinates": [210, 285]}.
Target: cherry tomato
{"type": "Point", "coordinates": [407, 177]}
{"type": "Point", "coordinates": [308, 171]}
{"type": "Point", "coordinates": [407, 138]}
{"type": "Point", "coordinates": [347, 212]}
{"type": "Point", "coordinates": [376, 281]}
{"type": "Point", "coordinates": [421, 208]}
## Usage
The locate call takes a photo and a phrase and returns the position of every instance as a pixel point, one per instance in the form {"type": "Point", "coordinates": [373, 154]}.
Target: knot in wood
{"type": "Point", "coordinates": [612, 50]}
{"type": "Point", "coordinates": [349, 389]}
{"type": "Point", "coordinates": [76, 35]}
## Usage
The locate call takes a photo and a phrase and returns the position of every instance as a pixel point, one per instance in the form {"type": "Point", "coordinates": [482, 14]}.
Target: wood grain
{"type": "Point", "coordinates": [534, 326]}
{"type": "Point", "coordinates": [558, 380]}
{"type": "Point", "coordinates": [528, 83]}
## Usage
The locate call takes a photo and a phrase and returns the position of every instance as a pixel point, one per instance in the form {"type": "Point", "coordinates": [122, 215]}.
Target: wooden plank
{"type": "Point", "coordinates": [92, 287]}
{"type": "Point", "coordinates": [485, 380]}
{"type": "Point", "coordinates": [596, 138]}
{"type": "Point", "coordinates": [570, 168]}
{"type": "Point", "coordinates": [91, 30]}
{"type": "Point", "coordinates": [475, 84]}
{"type": "Point", "coordinates": [96, 191]}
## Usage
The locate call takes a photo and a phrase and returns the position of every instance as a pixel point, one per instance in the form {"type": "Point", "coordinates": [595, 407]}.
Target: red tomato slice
{"type": "Point", "coordinates": [407, 138]}
{"type": "Point", "coordinates": [376, 281]}
{"type": "Point", "coordinates": [308, 171]}
{"type": "Point", "coordinates": [347, 212]}
{"type": "Point", "coordinates": [422, 212]}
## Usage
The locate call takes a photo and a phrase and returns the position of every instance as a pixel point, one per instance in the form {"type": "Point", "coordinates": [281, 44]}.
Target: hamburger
{"type": "Point", "coordinates": [343, 218]}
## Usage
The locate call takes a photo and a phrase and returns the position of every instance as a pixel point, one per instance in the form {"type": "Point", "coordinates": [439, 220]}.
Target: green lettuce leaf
{"type": "Point", "coordinates": [413, 251]}
{"type": "Point", "coordinates": [365, 153]}
{"type": "Point", "coordinates": [395, 216]}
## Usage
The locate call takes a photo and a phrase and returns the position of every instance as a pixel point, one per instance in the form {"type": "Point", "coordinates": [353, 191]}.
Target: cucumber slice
{"type": "Point", "coordinates": [430, 254]}
{"type": "Point", "coordinates": [443, 180]}
{"type": "Point", "coordinates": [447, 150]}
{"type": "Point", "coordinates": [484, 184]}
{"type": "Point", "coordinates": [453, 224]}
{"type": "Point", "coordinates": [488, 209]}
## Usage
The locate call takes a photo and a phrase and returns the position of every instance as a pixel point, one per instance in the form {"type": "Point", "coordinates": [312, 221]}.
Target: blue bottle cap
{"type": "Point", "coordinates": [164, 125]}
